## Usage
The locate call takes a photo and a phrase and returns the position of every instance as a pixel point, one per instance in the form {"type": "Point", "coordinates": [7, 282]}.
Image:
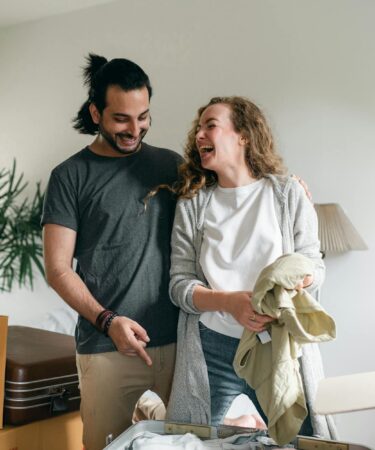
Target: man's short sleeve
{"type": "Point", "coordinates": [60, 203]}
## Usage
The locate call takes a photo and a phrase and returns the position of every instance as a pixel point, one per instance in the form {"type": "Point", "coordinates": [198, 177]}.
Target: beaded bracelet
{"type": "Point", "coordinates": [108, 322]}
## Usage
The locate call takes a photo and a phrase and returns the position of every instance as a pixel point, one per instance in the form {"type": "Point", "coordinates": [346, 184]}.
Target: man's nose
{"type": "Point", "coordinates": [134, 129]}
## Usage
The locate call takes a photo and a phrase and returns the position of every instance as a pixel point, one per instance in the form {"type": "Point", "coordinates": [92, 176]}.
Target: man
{"type": "Point", "coordinates": [94, 212]}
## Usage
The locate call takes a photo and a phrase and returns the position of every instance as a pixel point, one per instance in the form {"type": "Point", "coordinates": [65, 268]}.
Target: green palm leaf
{"type": "Point", "coordinates": [21, 250]}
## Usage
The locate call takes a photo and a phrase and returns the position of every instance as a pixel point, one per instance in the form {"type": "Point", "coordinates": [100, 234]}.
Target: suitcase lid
{"type": "Point", "coordinates": [34, 354]}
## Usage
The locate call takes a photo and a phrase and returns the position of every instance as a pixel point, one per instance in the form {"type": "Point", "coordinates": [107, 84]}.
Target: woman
{"type": "Point", "coordinates": [235, 215]}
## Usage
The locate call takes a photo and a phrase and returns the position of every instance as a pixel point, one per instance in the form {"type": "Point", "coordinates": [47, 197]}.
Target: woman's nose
{"type": "Point", "coordinates": [199, 135]}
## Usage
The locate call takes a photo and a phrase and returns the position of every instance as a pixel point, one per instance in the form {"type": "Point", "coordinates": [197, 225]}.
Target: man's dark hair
{"type": "Point", "coordinates": [99, 74]}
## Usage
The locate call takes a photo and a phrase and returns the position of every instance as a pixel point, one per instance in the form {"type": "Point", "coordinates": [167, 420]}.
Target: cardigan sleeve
{"type": "Point", "coordinates": [183, 273]}
{"type": "Point", "coordinates": [305, 232]}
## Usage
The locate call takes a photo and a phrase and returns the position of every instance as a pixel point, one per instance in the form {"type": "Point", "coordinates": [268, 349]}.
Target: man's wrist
{"type": "Point", "coordinates": [104, 320]}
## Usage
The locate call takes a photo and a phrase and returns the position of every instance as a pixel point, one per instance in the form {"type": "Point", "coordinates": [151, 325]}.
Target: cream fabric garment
{"type": "Point", "coordinates": [272, 369]}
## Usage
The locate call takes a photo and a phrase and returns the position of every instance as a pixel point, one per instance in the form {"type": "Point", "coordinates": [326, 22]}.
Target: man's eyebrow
{"type": "Point", "coordinates": [127, 115]}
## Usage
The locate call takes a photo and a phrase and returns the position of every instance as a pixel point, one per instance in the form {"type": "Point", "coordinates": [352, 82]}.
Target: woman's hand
{"type": "Point", "coordinates": [236, 303]}
{"type": "Point", "coordinates": [239, 306]}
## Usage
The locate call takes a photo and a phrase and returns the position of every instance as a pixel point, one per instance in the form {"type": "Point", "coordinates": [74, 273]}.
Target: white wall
{"type": "Point", "coordinates": [310, 64]}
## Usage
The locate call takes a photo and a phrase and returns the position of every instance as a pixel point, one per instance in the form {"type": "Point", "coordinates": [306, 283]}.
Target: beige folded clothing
{"type": "Point", "coordinates": [272, 369]}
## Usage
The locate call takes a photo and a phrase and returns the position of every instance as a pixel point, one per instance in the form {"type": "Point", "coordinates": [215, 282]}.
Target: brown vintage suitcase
{"type": "Point", "coordinates": [41, 377]}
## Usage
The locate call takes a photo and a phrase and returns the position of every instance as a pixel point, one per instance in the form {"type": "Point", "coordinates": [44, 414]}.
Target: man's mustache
{"type": "Point", "coordinates": [130, 135]}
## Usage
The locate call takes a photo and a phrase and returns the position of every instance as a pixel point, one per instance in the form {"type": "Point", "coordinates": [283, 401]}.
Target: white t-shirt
{"type": "Point", "coordinates": [241, 237]}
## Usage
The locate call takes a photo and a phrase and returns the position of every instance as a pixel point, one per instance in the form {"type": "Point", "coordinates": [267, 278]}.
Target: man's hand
{"type": "Point", "coordinates": [240, 307]}
{"type": "Point", "coordinates": [129, 338]}
{"type": "Point", "coordinates": [305, 187]}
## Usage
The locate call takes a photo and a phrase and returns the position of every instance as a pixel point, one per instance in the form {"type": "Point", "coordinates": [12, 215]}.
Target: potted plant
{"type": "Point", "coordinates": [20, 231]}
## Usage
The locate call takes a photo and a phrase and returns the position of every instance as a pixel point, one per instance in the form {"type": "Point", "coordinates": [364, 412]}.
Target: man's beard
{"type": "Point", "coordinates": [119, 137]}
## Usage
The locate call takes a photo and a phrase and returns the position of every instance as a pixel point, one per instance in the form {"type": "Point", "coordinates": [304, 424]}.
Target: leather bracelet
{"type": "Point", "coordinates": [108, 322]}
{"type": "Point", "coordinates": [102, 318]}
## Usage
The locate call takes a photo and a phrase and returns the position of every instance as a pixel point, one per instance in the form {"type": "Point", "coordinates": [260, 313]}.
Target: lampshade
{"type": "Point", "coordinates": [336, 232]}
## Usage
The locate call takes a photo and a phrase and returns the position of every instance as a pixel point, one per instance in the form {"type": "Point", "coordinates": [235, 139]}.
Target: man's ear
{"type": "Point", "coordinates": [95, 114]}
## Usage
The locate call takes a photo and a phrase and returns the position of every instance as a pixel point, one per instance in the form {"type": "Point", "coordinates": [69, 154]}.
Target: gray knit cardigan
{"type": "Point", "coordinates": [190, 395]}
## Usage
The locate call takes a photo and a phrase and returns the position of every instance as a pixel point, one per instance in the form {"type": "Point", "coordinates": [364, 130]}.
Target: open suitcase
{"type": "Point", "coordinates": [41, 377]}
{"type": "Point", "coordinates": [226, 436]}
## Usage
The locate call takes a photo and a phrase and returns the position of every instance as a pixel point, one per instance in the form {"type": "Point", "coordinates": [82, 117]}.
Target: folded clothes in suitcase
{"type": "Point", "coordinates": [154, 434]}
{"type": "Point", "coordinates": [41, 377]}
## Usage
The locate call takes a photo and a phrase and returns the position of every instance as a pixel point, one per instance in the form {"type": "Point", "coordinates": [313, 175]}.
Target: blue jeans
{"type": "Point", "coordinates": [219, 351]}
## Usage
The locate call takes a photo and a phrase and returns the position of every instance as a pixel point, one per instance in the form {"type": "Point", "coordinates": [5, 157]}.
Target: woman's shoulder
{"type": "Point", "coordinates": [198, 199]}
{"type": "Point", "coordinates": [285, 185]}
{"type": "Point", "coordinates": [195, 206]}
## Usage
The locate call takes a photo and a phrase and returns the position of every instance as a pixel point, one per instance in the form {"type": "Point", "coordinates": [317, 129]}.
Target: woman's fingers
{"type": "Point", "coordinates": [256, 322]}
{"type": "Point", "coordinates": [307, 281]}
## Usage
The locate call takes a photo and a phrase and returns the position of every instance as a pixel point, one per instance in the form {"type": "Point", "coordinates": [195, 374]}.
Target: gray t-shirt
{"type": "Point", "coordinates": [123, 251]}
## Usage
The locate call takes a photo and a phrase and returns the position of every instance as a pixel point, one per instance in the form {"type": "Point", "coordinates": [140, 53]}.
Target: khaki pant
{"type": "Point", "coordinates": [149, 408]}
{"type": "Point", "coordinates": [111, 385]}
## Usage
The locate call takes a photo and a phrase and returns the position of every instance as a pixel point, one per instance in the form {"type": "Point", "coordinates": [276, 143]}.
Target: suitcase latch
{"type": "Point", "coordinates": [60, 402]}
{"type": "Point", "coordinates": [317, 444]}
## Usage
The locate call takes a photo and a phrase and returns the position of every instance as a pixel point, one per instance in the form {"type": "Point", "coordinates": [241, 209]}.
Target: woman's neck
{"type": "Point", "coordinates": [230, 178]}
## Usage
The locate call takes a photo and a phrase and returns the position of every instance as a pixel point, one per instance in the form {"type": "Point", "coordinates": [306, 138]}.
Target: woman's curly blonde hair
{"type": "Point", "coordinates": [260, 154]}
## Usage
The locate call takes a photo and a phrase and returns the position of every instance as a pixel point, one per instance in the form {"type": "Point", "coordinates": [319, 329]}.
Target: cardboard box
{"type": "Point", "coordinates": [3, 357]}
{"type": "Point", "coordinates": [58, 433]}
